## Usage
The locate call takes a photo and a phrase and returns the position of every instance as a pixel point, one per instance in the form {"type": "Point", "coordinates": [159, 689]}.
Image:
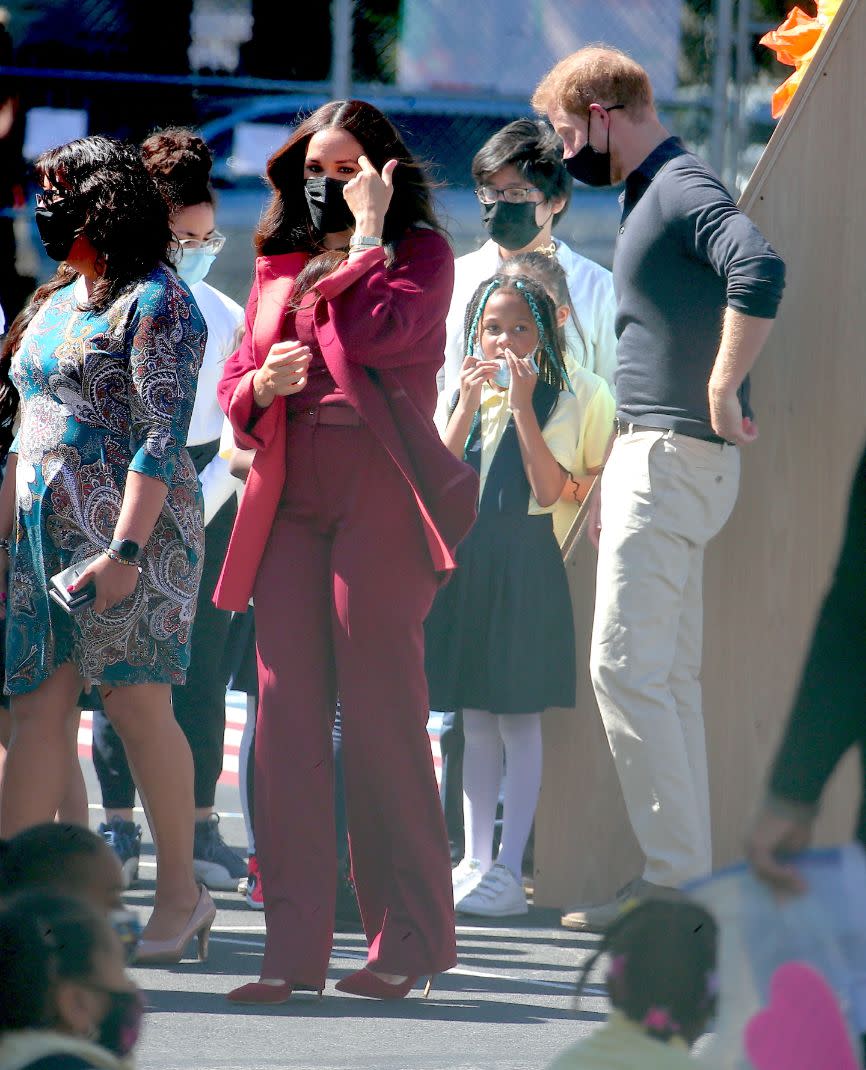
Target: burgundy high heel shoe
{"type": "Point", "coordinates": [365, 983]}
{"type": "Point", "coordinates": [268, 995]}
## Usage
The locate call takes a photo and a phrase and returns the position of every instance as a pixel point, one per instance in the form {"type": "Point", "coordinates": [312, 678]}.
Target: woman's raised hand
{"type": "Point", "coordinates": [368, 195]}
{"type": "Point", "coordinates": [473, 375]}
{"type": "Point", "coordinates": [284, 372]}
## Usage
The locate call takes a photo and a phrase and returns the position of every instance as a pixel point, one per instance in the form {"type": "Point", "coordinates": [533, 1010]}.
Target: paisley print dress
{"type": "Point", "coordinates": [103, 394]}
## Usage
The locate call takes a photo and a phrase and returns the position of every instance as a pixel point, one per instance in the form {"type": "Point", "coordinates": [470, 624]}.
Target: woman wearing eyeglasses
{"type": "Point", "coordinates": [180, 164]}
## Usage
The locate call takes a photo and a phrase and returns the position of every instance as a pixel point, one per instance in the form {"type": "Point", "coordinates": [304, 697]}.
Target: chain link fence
{"type": "Point", "coordinates": [448, 73]}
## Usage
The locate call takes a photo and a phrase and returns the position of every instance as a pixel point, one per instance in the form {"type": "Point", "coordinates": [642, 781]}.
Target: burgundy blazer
{"type": "Point", "coordinates": [382, 334]}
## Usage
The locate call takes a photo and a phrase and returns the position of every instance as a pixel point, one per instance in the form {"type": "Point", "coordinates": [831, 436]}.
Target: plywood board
{"type": "Point", "coordinates": [767, 572]}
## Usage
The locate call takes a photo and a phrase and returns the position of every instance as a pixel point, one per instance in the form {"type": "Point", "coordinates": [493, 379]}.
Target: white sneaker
{"type": "Point", "coordinates": [465, 876]}
{"type": "Point", "coordinates": [498, 894]}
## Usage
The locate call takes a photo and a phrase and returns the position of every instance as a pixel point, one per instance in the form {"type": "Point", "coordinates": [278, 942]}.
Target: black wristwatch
{"type": "Point", "coordinates": [128, 551]}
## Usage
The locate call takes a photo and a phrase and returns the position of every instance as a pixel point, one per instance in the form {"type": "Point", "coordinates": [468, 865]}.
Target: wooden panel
{"type": "Point", "coordinates": [767, 571]}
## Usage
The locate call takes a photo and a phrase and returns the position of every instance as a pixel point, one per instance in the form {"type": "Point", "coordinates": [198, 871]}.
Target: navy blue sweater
{"type": "Point", "coordinates": [685, 252]}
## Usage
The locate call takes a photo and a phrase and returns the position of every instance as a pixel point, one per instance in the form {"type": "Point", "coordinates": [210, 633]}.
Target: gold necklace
{"type": "Point", "coordinates": [546, 250]}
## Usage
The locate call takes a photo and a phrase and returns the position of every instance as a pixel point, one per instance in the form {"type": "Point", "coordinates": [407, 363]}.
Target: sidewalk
{"type": "Point", "coordinates": [509, 1004]}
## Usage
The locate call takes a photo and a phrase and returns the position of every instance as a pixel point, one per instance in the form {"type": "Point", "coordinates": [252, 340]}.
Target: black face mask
{"type": "Point", "coordinates": [120, 1029]}
{"type": "Point", "coordinates": [589, 165]}
{"type": "Point", "coordinates": [329, 212]}
{"type": "Point", "coordinates": [58, 227]}
{"type": "Point", "coordinates": [512, 226]}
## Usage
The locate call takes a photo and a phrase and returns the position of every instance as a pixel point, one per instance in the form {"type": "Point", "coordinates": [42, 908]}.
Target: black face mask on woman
{"type": "Point", "coordinates": [329, 212]}
{"type": "Point", "coordinates": [511, 226]}
{"type": "Point", "coordinates": [58, 225]}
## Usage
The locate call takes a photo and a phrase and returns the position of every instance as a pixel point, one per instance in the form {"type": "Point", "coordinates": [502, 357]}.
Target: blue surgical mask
{"type": "Point", "coordinates": [502, 378]}
{"type": "Point", "coordinates": [193, 265]}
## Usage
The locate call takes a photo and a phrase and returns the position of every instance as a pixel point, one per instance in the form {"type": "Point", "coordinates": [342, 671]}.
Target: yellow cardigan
{"type": "Point", "coordinates": [621, 1044]}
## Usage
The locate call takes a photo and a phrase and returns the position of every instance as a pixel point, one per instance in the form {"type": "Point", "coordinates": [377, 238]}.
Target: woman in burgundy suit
{"type": "Point", "coordinates": [350, 516]}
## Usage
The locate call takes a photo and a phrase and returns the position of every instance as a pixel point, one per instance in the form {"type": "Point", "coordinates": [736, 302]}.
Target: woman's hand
{"type": "Point", "coordinates": [523, 380]}
{"type": "Point", "coordinates": [113, 582]}
{"type": "Point", "coordinates": [368, 195]}
{"type": "Point", "coordinates": [473, 375]}
{"type": "Point", "coordinates": [284, 372]}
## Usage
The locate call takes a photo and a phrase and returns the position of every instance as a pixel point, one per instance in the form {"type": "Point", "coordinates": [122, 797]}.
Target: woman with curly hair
{"type": "Point", "coordinates": [105, 359]}
{"type": "Point", "coordinates": [179, 162]}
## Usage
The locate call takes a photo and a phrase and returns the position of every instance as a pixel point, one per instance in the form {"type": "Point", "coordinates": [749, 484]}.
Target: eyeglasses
{"type": "Point", "coordinates": [511, 195]}
{"type": "Point", "coordinates": [213, 244]}
{"type": "Point", "coordinates": [49, 198]}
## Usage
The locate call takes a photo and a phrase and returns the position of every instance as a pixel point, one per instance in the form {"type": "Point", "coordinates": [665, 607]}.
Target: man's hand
{"type": "Point", "coordinates": [726, 417]}
{"type": "Point", "coordinates": [773, 834]}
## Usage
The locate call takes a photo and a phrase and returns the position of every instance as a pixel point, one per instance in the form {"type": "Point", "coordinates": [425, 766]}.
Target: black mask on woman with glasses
{"type": "Point", "coordinates": [58, 223]}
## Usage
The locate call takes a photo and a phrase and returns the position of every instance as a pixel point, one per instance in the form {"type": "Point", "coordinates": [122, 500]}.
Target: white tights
{"type": "Point", "coordinates": [482, 774]}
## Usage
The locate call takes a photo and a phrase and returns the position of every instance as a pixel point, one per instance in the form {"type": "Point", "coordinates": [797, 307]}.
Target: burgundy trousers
{"type": "Point", "coordinates": [341, 596]}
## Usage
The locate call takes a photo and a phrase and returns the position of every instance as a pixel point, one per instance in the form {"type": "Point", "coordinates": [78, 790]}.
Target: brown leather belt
{"type": "Point", "coordinates": [332, 415]}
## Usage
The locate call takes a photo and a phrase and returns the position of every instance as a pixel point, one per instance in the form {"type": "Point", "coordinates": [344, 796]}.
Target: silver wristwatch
{"type": "Point", "coordinates": [360, 242]}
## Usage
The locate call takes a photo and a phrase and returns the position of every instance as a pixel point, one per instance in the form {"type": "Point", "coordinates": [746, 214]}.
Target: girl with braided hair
{"type": "Point", "coordinates": [500, 636]}
{"type": "Point", "coordinates": [662, 984]}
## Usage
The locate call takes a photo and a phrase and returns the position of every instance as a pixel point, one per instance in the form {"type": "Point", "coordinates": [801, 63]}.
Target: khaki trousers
{"type": "Point", "coordinates": [664, 496]}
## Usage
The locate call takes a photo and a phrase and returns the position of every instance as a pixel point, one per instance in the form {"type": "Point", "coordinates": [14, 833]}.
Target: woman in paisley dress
{"type": "Point", "coordinates": [105, 359]}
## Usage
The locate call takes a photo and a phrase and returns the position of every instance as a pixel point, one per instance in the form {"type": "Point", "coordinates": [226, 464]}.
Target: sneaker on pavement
{"type": "Point", "coordinates": [216, 865]}
{"type": "Point", "coordinates": [124, 838]}
{"type": "Point", "coordinates": [465, 876]}
{"type": "Point", "coordinates": [596, 917]}
{"type": "Point", "coordinates": [253, 892]}
{"type": "Point", "coordinates": [499, 894]}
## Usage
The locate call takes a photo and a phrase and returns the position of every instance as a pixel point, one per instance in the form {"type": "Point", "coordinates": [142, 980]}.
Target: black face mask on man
{"type": "Point", "coordinates": [58, 225]}
{"type": "Point", "coordinates": [589, 165]}
{"type": "Point", "coordinates": [329, 212]}
{"type": "Point", "coordinates": [511, 226]}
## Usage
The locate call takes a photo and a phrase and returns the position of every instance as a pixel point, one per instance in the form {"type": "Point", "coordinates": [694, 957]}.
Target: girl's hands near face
{"type": "Point", "coordinates": [473, 375]}
{"type": "Point", "coordinates": [523, 380]}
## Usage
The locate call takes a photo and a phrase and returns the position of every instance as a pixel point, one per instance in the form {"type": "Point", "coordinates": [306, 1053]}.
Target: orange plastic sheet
{"type": "Point", "coordinates": [795, 42]}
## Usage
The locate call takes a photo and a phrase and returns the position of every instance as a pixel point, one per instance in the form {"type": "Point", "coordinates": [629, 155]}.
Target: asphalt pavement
{"type": "Point", "coordinates": [508, 1005]}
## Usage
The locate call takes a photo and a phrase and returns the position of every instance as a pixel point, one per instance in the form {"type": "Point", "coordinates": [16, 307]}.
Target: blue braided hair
{"type": "Point", "coordinates": [551, 365]}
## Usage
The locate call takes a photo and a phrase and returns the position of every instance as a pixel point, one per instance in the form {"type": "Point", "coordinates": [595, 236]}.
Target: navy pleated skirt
{"type": "Point", "coordinates": [500, 635]}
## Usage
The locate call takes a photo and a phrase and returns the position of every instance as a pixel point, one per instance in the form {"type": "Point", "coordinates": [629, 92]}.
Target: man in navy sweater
{"type": "Point", "coordinates": [697, 289]}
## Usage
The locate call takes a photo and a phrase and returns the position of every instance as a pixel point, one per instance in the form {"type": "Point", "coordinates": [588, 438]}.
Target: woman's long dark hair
{"type": "Point", "coordinates": [125, 219]}
{"type": "Point", "coordinates": [286, 227]}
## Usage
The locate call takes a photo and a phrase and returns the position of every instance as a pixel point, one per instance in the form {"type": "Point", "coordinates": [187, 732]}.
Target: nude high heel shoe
{"type": "Point", "coordinates": [199, 926]}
